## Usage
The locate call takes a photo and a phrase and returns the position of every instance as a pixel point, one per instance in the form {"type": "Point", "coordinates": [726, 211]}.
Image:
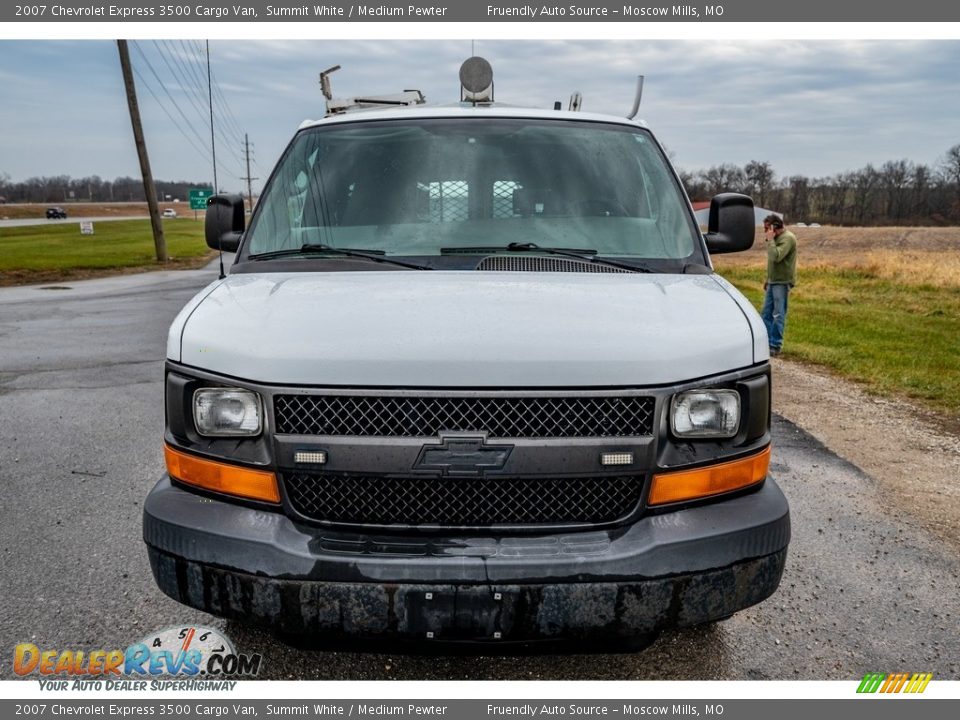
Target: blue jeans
{"type": "Point", "coordinates": [774, 312]}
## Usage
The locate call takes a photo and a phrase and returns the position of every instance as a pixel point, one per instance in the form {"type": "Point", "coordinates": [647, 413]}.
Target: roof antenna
{"type": "Point", "coordinates": [219, 240]}
{"type": "Point", "coordinates": [636, 100]}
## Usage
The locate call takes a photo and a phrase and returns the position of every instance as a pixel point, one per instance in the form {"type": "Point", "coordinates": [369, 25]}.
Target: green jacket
{"type": "Point", "coordinates": [782, 259]}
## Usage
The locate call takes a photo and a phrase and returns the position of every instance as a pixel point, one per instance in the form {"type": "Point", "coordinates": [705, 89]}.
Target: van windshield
{"type": "Point", "coordinates": [411, 187]}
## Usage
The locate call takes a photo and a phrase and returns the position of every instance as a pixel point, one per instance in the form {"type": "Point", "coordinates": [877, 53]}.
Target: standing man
{"type": "Point", "coordinates": [781, 276]}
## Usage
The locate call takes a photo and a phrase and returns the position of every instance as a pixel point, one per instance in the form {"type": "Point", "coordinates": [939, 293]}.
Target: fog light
{"type": "Point", "coordinates": [621, 458]}
{"type": "Point", "coordinates": [309, 458]}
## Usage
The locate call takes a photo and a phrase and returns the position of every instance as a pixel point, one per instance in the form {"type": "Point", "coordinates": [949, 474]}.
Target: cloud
{"type": "Point", "coordinates": [813, 107]}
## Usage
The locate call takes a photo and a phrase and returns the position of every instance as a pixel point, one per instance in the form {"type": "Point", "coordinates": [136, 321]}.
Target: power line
{"type": "Point", "coordinates": [235, 173]}
{"type": "Point", "coordinates": [228, 112]}
{"type": "Point", "coordinates": [164, 87]}
{"type": "Point", "coordinates": [200, 105]}
{"type": "Point", "coordinates": [229, 122]}
{"type": "Point", "coordinates": [190, 69]}
{"type": "Point", "coordinates": [199, 148]}
{"type": "Point", "coordinates": [222, 98]}
{"type": "Point", "coordinates": [181, 79]}
{"type": "Point", "coordinates": [228, 115]}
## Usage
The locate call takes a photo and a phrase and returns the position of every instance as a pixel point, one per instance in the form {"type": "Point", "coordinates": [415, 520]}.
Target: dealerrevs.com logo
{"type": "Point", "coordinates": [184, 652]}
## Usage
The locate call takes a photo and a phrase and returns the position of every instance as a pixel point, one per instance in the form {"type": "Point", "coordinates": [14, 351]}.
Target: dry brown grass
{"type": "Point", "coordinates": [917, 256]}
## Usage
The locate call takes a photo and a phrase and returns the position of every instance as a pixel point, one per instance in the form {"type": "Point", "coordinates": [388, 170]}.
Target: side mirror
{"type": "Point", "coordinates": [224, 224]}
{"type": "Point", "coordinates": [731, 225]}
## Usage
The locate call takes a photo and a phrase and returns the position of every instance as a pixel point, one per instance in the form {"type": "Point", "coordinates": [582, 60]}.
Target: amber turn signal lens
{"type": "Point", "coordinates": [222, 478]}
{"type": "Point", "coordinates": [703, 482]}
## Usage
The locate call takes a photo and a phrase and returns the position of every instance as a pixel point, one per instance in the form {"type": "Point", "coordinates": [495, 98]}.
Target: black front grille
{"type": "Point", "coordinates": [474, 502]}
{"type": "Point", "coordinates": [499, 417]}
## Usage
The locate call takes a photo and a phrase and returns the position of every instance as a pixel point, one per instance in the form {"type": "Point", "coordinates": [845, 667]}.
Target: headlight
{"type": "Point", "coordinates": [220, 412]}
{"type": "Point", "coordinates": [705, 414]}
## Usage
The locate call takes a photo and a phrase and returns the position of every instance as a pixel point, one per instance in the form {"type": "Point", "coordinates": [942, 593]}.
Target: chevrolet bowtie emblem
{"type": "Point", "coordinates": [467, 456]}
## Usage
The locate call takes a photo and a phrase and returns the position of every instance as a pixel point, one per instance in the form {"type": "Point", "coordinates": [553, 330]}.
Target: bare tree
{"type": "Point", "coordinates": [723, 178]}
{"type": "Point", "coordinates": [921, 186]}
{"type": "Point", "coordinates": [894, 178]}
{"type": "Point", "coordinates": [759, 179]}
{"type": "Point", "coordinates": [799, 207]}
{"type": "Point", "coordinates": [864, 193]}
{"type": "Point", "coordinates": [950, 171]}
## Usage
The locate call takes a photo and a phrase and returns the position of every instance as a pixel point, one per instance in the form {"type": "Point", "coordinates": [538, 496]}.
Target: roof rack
{"type": "Point", "coordinates": [342, 105]}
{"type": "Point", "coordinates": [401, 99]}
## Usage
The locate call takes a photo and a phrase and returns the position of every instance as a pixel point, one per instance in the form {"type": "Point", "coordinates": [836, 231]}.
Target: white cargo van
{"type": "Point", "coordinates": [471, 378]}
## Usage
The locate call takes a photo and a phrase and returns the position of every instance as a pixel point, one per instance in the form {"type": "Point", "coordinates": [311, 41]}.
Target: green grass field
{"type": "Point", "coordinates": [46, 249]}
{"type": "Point", "coordinates": [896, 333]}
{"type": "Point", "coordinates": [896, 338]}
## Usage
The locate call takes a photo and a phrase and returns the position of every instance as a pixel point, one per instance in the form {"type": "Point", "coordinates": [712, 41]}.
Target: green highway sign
{"type": "Point", "coordinates": [198, 198]}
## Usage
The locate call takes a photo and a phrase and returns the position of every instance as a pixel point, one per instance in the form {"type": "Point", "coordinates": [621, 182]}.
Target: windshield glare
{"type": "Point", "coordinates": [411, 187]}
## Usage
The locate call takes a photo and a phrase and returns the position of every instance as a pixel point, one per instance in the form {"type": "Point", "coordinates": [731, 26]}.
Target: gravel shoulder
{"type": "Point", "coordinates": [913, 455]}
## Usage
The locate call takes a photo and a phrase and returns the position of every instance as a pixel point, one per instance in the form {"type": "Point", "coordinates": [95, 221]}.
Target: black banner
{"type": "Point", "coordinates": [79, 11]}
{"type": "Point", "coordinates": [227, 708]}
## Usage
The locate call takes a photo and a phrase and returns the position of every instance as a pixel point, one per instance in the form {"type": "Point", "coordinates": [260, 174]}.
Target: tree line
{"type": "Point", "coordinates": [65, 189]}
{"type": "Point", "coordinates": [899, 192]}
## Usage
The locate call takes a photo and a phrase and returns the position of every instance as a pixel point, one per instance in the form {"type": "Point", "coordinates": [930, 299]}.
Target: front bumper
{"type": "Point", "coordinates": [671, 570]}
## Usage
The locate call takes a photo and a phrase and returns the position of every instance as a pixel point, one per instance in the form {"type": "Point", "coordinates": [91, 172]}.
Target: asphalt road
{"type": "Point", "coordinates": [81, 419]}
{"type": "Point", "coordinates": [22, 222]}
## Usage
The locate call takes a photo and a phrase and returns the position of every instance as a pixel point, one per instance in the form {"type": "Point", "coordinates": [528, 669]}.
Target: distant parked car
{"type": "Point", "coordinates": [814, 225]}
{"type": "Point", "coordinates": [170, 212]}
{"type": "Point", "coordinates": [55, 213]}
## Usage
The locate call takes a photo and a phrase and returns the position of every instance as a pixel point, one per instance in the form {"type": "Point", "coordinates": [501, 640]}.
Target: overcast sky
{"type": "Point", "coordinates": [811, 107]}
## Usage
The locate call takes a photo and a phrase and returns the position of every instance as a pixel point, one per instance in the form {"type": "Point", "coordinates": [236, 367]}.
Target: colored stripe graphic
{"type": "Point", "coordinates": [871, 682]}
{"type": "Point", "coordinates": [894, 682]}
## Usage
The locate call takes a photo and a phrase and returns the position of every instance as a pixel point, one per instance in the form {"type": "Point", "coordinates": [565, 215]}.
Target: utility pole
{"type": "Point", "coordinates": [159, 242]}
{"type": "Point", "coordinates": [246, 144]}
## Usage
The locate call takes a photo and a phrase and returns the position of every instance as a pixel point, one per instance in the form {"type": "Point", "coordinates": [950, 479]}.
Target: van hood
{"type": "Point", "coordinates": [467, 329]}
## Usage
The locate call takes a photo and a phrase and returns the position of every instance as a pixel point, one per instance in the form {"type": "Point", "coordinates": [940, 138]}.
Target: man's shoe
{"type": "Point", "coordinates": [775, 351]}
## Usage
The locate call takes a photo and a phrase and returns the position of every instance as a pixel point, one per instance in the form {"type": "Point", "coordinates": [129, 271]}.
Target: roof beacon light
{"type": "Point", "coordinates": [476, 81]}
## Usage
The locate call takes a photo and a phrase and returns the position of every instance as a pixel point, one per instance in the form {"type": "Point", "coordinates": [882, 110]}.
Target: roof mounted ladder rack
{"type": "Point", "coordinates": [342, 105]}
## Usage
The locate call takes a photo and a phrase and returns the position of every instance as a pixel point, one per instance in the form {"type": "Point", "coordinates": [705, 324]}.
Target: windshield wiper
{"type": "Point", "coordinates": [315, 248]}
{"type": "Point", "coordinates": [577, 253]}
